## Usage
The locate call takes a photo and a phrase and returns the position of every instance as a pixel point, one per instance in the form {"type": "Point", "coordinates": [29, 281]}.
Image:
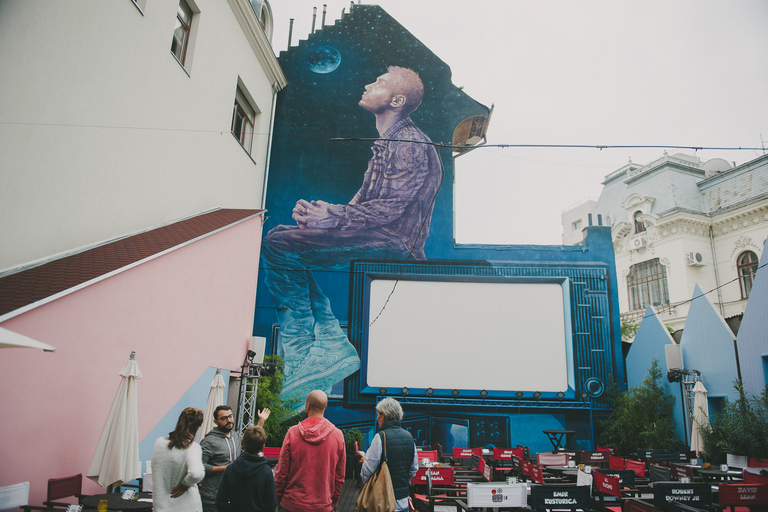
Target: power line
{"type": "Point", "coordinates": [560, 146]}
{"type": "Point", "coordinates": [369, 139]}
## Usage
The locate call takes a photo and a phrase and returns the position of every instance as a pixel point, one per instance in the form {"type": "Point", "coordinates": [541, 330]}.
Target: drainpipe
{"type": "Point", "coordinates": [720, 298]}
{"type": "Point", "coordinates": [717, 274]}
{"type": "Point", "coordinates": [269, 146]}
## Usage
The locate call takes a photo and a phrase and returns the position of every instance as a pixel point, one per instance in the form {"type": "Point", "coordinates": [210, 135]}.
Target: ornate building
{"type": "Point", "coordinates": [678, 222]}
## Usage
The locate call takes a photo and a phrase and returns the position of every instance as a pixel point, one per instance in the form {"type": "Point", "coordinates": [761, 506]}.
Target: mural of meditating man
{"type": "Point", "coordinates": [388, 218]}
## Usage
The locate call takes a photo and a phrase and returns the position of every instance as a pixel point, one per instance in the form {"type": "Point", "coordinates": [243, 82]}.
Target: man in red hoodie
{"type": "Point", "coordinates": [310, 470]}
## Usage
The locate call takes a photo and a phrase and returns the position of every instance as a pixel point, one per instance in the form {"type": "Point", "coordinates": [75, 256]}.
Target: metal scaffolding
{"type": "Point", "coordinates": [250, 373]}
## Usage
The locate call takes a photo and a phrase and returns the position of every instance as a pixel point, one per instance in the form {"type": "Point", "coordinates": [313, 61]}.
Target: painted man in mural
{"type": "Point", "coordinates": [388, 218]}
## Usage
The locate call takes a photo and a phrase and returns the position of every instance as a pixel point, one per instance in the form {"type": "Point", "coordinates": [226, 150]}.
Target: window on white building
{"type": "Point", "coordinates": [647, 285]}
{"type": "Point", "coordinates": [576, 225]}
{"type": "Point", "coordinates": [747, 266]}
{"type": "Point", "coordinates": [639, 225]}
{"type": "Point", "coordinates": [243, 120]}
{"type": "Point", "coordinates": [180, 41]}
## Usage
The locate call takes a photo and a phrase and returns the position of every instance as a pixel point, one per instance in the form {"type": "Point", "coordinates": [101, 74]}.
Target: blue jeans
{"type": "Point", "coordinates": [303, 310]}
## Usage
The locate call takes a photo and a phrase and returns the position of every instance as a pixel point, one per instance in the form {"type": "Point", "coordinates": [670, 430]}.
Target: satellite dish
{"type": "Point", "coordinates": [715, 166]}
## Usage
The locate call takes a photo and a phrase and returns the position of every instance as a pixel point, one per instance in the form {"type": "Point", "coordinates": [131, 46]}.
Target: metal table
{"type": "Point", "coordinates": [556, 437]}
{"type": "Point", "coordinates": [116, 502]}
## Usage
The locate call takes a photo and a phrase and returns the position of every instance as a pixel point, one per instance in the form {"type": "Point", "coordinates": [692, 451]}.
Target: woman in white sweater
{"type": "Point", "coordinates": [177, 466]}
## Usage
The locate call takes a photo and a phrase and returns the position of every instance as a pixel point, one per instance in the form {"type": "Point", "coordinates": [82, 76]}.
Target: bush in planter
{"type": "Point", "coordinates": [350, 436]}
{"type": "Point", "coordinates": [642, 416]}
{"type": "Point", "coordinates": [741, 428]}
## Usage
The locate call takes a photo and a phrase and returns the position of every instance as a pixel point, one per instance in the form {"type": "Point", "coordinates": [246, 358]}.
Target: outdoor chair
{"type": "Point", "coordinates": [431, 455]}
{"type": "Point", "coordinates": [637, 505]}
{"type": "Point", "coordinates": [615, 462]}
{"type": "Point", "coordinates": [552, 459]}
{"type": "Point", "coordinates": [755, 476]}
{"type": "Point", "coordinates": [659, 473]}
{"type": "Point", "coordinates": [681, 471]}
{"type": "Point", "coordinates": [696, 494]}
{"type": "Point", "coordinates": [752, 496]}
{"type": "Point", "coordinates": [636, 466]}
{"type": "Point", "coordinates": [678, 506]}
{"type": "Point", "coordinates": [65, 487]}
{"type": "Point", "coordinates": [607, 491]}
{"type": "Point", "coordinates": [17, 496]}
{"type": "Point", "coordinates": [560, 497]}
{"type": "Point", "coordinates": [14, 495]}
{"type": "Point", "coordinates": [598, 459]}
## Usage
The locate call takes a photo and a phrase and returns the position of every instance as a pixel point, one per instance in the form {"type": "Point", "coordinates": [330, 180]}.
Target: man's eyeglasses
{"type": "Point", "coordinates": [227, 417]}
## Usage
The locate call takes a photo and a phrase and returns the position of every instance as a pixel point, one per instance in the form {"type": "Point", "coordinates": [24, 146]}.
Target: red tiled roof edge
{"type": "Point", "coordinates": [40, 282]}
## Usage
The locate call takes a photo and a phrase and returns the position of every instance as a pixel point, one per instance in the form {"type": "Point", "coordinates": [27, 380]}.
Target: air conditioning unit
{"type": "Point", "coordinates": [638, 242]}
{"type": "Point", "coordinates": [695, 259]}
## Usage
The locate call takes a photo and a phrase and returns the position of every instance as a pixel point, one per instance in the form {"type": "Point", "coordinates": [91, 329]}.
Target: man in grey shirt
{"type": "Point", "coordinates": [221, 446]}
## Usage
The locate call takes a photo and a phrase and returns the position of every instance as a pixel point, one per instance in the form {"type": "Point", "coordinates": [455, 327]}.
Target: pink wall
{"type": "Point", "coordinates": [181, 313]}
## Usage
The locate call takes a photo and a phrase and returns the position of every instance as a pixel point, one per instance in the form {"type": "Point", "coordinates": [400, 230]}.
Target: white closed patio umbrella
{"type": "Point", "coordinates": [700, 417]}
{"type": "Point", "coordinates": [10, 339]}
{"type": "Point", "coordinates": [215, 399]}
{"type": "Point", "coordinates": [116, 460]}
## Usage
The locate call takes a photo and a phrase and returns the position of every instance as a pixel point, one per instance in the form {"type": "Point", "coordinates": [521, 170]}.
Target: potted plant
{"type": "Point", "coordinates": [642, 416]}
{"type": "Point", "coordinates": [352, 436]}
{"type": "Point", "coordinates": [739, 429]}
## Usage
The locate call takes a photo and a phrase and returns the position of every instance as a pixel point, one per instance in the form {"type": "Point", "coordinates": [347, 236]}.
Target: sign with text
{"type": "Point", "coordinates": [626, 476]}
{"type": "Point", "coordinates": [607, 484]}
{"type": "Point", "coordinates": [506, 453]}
{"type": "Point", "coordinates": [594, 457]}
{"type": "Point", "coordinates": [693, 494]}
{"type": "Point", "coordinates": [440, 476]}
{"type": "Point", "coordinates": [548, 497]}
{"type": "Point", "coordinates": [743, 494]}
{"type": "Point", "coordinates": [467, 453]}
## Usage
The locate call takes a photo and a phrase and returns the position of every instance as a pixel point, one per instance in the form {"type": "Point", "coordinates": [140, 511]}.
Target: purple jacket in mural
{"type": "Point", "coordinates": [399, 188]}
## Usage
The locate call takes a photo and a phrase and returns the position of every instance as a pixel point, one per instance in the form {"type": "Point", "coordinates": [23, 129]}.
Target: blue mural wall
{"type": "Point", "coordinates": [326, 192]}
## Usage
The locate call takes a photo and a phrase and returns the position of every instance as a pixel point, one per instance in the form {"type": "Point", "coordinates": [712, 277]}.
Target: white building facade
{"type": "Point", "coordinates": [125, 115]}
{"type": "Point", "coordinates": [134, 148]}
{"type": "Point", "coordinates": [678, 222]}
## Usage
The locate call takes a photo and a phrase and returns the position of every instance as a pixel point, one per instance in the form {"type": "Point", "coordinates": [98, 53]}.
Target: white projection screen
{"type": "Point", "coordinates": [468, 335]}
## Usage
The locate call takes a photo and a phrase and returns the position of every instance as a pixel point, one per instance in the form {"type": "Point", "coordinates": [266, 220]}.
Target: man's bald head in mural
{"type": "Point", "coordinates": [396, 93]}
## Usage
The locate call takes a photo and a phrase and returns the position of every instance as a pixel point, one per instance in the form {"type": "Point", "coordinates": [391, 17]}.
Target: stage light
{"type": "Point", "coordinates": [560, 395]}
{"type": "Point", "coordinates": [537, 394]}
{"type": "Point", "coordinates": [383, 391]}
{"type": "Point", "coordinates": [483, 392]}
{"type": "Point", "coordinates": [519, 394]}
{"type": "Point", "coordinates": [455, 392]}
{"type": "Point", "coordinates": [405, 391]}
{"type": "Point", "coordinates": [430, 391]}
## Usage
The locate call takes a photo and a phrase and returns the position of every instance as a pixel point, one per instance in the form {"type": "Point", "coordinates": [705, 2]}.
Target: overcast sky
{"type": "Point", "coordinates": [613, 72]}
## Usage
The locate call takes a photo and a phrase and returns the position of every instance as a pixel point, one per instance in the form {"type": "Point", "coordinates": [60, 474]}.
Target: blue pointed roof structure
{"type": "Point", "coordinates": [753, 334]}
{"type": "Point", "coordinates": [708, 346]}
{"type": "Point", "coordinates": [650, 341]}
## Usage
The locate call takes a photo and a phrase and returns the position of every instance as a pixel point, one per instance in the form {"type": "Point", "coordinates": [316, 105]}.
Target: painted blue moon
{"type": "Point", "coordinates": [323, 59]}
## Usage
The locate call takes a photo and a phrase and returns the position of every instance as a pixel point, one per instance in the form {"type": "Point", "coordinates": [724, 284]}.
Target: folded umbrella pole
{"type": "Point", "coordinates": [116, 459]}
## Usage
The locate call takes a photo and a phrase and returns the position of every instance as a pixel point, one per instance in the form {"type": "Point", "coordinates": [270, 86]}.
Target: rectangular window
{"type": "Point", "coordinates": [243, 120]}
{"type": "Point", "coordinates": [180, 40]}
{"type": "Point", "coordinates": [647, 285]}
{"type": "Point", "coordinates": [576, 225]}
